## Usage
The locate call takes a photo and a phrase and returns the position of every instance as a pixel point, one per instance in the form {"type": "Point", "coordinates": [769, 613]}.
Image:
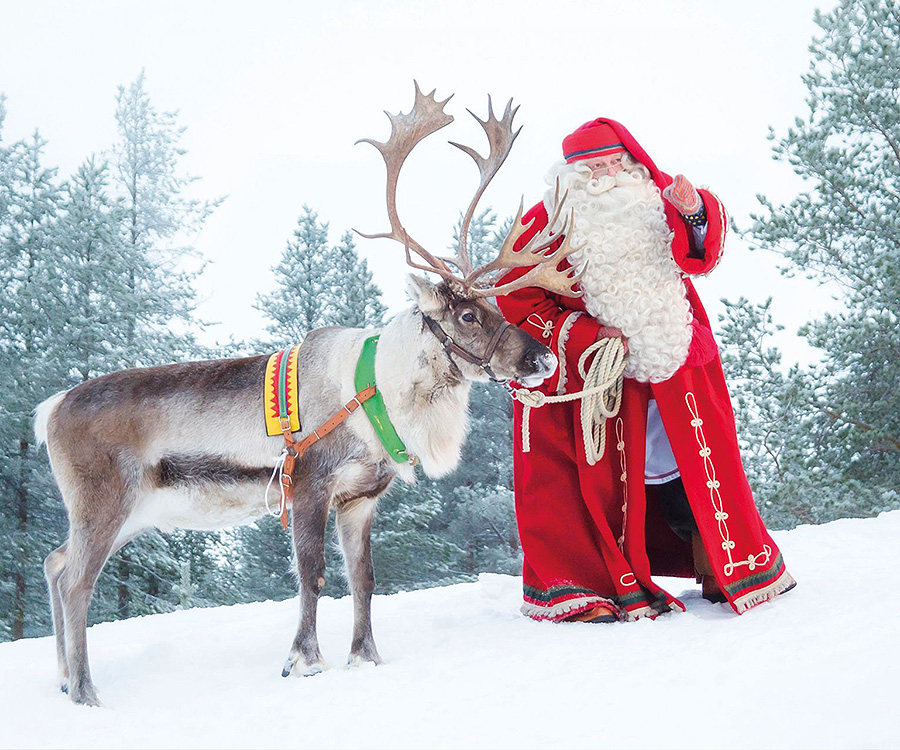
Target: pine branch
{"type": "Point", "coordinates": [836, 417]}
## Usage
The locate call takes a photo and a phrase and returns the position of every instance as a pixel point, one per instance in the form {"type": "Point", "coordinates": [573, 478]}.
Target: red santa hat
{"type": "Point", "coordinates": [594, 138]}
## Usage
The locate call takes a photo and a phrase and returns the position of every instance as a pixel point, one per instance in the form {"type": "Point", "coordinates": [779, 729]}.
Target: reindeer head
{"type": "Point", "coordinates": [472, 330]}
{"type": "Point", "coordinates": [480, 343]}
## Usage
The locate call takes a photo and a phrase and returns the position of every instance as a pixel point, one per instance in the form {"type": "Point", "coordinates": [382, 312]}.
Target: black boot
{"type": "Point", "coordinates": [675, 507]}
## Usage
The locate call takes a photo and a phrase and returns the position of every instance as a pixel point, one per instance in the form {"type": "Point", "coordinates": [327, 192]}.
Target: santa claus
{"type": "Point", "coordinates": [668, 494]}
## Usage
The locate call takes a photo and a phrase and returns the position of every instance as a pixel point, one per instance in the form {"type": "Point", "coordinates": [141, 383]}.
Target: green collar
{"type": "Point", "coordinates": [375, 408]}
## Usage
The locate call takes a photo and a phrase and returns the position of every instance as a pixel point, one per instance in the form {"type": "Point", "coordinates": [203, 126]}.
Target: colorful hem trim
{"type": "Point", "coordinates": [565, 600]}
{"type": "Point", "coordinates": [760, 587]}
{"type": "Point", "coordinates": [567, 608]}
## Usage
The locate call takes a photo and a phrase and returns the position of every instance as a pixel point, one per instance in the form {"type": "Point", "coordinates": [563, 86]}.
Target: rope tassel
{"type": "Point", "coordinates": [278, 473]}
{"type": "Point", "coordinates": [601, 397]}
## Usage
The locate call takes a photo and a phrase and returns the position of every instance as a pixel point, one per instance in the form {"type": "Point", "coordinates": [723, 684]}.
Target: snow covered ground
{"type": "Point", "coordinates": [815, 669]}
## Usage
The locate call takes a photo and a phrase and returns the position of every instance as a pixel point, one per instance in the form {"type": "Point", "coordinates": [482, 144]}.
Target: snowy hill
{"type": "Point", "coordinates": [817, 668]}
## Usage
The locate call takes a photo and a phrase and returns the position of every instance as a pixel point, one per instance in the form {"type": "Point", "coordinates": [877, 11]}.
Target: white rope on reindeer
{"type": "Point", "coordinates": [601, 397]}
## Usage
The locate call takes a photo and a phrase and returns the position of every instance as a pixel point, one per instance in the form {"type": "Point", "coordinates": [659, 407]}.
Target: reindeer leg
{"type": "Point", "coordinates": [354, 523]}
{"type": "Point", "coordinates": [89, 547]}
{"type": "Point", "coordinates": [53, 567]}
{"type": "Point", "coordinates": [309, 516]}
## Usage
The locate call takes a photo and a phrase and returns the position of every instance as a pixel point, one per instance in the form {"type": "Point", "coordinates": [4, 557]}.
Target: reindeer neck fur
{"type": "Point", "coordinates": [425, 394]}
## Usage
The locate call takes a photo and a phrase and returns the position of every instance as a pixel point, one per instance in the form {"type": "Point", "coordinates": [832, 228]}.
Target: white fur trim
{"type": "Point", "coordinates": [564, 331]}
{"type": "Point", "coordinates": [723, 221]}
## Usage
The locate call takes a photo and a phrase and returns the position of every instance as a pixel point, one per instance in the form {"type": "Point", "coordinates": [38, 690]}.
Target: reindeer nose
{"type": "Point", "coordinates": [541, 360]}
{"type": "Point", "coordinates": [547, 362]}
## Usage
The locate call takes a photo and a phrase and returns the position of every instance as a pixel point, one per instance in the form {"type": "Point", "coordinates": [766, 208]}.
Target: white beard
{"type": "Point", "coordinates": [631, 280]}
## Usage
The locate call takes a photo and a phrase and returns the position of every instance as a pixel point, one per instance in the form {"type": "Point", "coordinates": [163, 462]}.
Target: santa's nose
{"type": "Point", "coordinates": [610, 169]}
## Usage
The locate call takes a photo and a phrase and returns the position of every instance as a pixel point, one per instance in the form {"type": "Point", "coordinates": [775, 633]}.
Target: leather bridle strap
{"type": "Point", "coordinates": [451, 347]}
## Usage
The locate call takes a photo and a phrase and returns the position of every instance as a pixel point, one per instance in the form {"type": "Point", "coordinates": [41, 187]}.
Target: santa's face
{"type": "Point", "coordinates": [631, 280]}
{"type": "Point", "coordinates": [608, 164]}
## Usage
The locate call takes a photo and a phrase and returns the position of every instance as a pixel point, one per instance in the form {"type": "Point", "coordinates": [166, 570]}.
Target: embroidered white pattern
{"type": "Point", "coordinates": [620, 446]}
{"type": "Point", "coordinates": [628, 579]}
{"type": "Point", "coordinates": [715, 497]}
{"type": "Point", "coordinates": [545, 326]}
{"type": "Point", "coordinates": [564, 330]}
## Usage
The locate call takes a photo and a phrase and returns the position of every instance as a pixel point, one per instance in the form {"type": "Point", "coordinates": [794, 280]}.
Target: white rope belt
{"type": "Point", "coordinates": [600, 398]}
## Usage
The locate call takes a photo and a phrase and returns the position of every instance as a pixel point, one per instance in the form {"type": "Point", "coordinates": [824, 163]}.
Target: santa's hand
{"type": "Point", "coordinates": [683, 196]}
{"type": "Point", "coordinates": [611, 332]}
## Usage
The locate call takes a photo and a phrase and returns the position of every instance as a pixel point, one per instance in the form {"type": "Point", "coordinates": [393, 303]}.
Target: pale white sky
{"type": "Point", "coordinates": [274, 95]}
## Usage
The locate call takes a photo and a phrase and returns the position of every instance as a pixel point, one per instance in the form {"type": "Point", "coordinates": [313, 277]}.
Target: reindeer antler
{"type": "Point", "coordinates": [500, 137]}
{"type": "Point", "coordinates": [536, 252]}
{"type": "Point", "coordinates": [428, 116]}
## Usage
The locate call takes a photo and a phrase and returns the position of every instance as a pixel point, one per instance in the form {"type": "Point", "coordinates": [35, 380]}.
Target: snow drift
{"type": "Point", "coordinates": [815, 668]}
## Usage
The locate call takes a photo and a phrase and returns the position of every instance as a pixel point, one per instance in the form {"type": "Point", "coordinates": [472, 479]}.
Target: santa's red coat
{"type": "Point", "coordinates": [589, 534]}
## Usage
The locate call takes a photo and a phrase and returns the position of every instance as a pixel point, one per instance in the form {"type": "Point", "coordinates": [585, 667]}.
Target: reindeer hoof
{"type": "Point", "coordinates": [299, 668]}
{"type": "Point", "coordinates": [357, 660]}
{"type": "Point", "coordinates": [310, 669]}
{"type": "Point", "coordinates": [85, 698]}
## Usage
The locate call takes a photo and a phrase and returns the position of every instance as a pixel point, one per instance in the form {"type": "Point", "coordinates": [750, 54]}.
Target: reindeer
{"type": "Point", "coordinates": [181, 445]}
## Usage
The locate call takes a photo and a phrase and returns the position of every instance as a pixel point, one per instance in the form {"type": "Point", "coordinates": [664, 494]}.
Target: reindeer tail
{"type": "Point", "coordinates": [42, 416]}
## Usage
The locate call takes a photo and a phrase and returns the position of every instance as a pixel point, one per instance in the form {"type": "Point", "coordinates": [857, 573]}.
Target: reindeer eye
{"type": "Point", "coordinates": [469, 317]}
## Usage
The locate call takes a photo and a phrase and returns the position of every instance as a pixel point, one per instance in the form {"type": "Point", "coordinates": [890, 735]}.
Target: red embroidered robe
{"type": "Point", "coordinates": [588, 532]}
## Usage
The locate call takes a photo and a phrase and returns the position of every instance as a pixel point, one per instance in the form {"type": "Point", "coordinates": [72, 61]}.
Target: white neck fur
{"type": "Point", "coordinates": [428, 402]}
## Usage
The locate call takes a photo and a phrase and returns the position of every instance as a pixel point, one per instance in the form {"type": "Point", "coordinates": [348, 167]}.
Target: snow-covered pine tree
{"type": "Point", "coordinates": [410, 548]}
{"type": "Point", "coordinates": [94, 263]}
{"type": "Point", "coordinates": [158, 221]}
{"type": "Point", "coordinates": [359, 306]}
{"type": "Point", "coordinates": [784, 445]}
{"type": "Point", "coordinates": [845, 228]}
{"type": "Point", "coordinates": [29, 198]}
{"type": "Point", "coordinates": [303, 296]}
{"type": "Point", "coordinates": [6, 163]}
{"type": "Point", "coordinates": [157, 321]}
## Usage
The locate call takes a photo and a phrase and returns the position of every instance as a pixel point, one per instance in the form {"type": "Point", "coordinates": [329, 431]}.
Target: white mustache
{"type": "Point", "coordinates": [600, 185]}
{"type": "Point", "coordinates": [605, 183]}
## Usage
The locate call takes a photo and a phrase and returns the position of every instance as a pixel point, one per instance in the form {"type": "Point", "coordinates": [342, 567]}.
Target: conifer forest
{"type": "Point", "coordinates": [97, 274]}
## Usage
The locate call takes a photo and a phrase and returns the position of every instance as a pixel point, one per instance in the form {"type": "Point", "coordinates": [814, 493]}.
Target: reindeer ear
{"type": "Point", "coordinates": [424, 294]}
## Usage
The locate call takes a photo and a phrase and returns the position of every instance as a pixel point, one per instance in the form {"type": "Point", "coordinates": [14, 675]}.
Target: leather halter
{"type": "Point", "coordinates": [451, 347]}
